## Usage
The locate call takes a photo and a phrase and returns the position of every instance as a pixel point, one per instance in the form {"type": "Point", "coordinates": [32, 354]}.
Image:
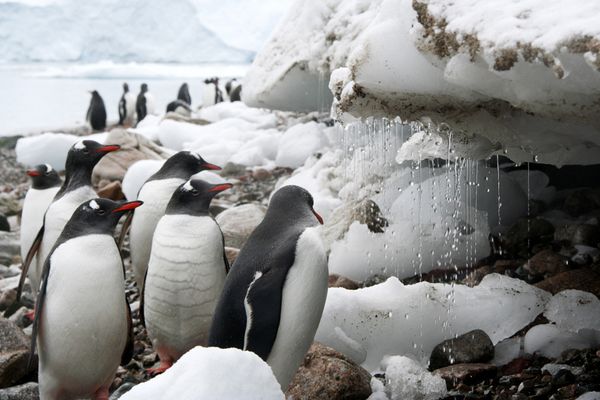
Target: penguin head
{"type": "Point", "coordinates": [144, 88]}
{"type": "Point", "coordinates": [125, 87]}
{"type": "Point", "coordinates": [95, 94]}
{"type": "Point", "coordinates": [43, 176]}
{"type": "Point", "coordinates": [295, 202]}
{"type": "Point", "coordinates": [86, 154]}
{"type": "Point", "coordinates": [194, 197]}
{"type": "Point", "coordinates": [99, 216]}
{"type": "Point", "coordinates": [184, 164]}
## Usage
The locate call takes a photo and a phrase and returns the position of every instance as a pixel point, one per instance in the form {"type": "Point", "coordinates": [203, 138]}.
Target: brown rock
{"type": "Point", "coordinates": [237, 223]}
{"type": "Point", "coordinates": [471, 347]}
{"type": "Point", "coordinates": [546, 263]}
{"type": "Point", "coordinates": [14, 353]}
{"type": "Point", "coordinates": [516, 366]}
{"type": "Point", "coordinates": [585, 279]}
{"type": "Point", "coordinates": [336, 280]}
{"type": "Point", "coordinates": [327, 374]}
{"type": "Point", "coordinates": [261, 174]}
{"type": "Point", "coordinates": [112, 191]}
{"type": "Point", "coordinates": [231, 253]}
{"type": "Point", "coordinates": [466, 373]}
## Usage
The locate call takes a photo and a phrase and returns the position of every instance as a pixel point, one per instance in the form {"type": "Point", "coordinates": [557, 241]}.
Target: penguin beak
{"type": "Point", "coordinates": [131, 205]}
{"type": "Point", "coordinates": [220, 188]}
{"type": "Point", "coordinates": [211, 166]}
{"type": "Point", "coordinates": [108, 148]}
{"type": "Point", "coordinates": [318, 216]}
{"type": "Point", "coordinates": [33, 172]}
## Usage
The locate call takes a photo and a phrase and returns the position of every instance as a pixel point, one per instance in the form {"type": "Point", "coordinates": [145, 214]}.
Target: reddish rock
{"type": "Point", "coordinates": [585, 279]}
{"type": "Point", "coordinates": [326, 374]}
{"type": "Point", "coordinates": [112, 191]}
{"type": "Point", "coordinates": [336, 280]}
{"type": "Point", "coordinates": [231, 253]}
{"type": "Point", "coordinates": [261, 174]}
{"type": "Point", "coordinates": [516, 366]}
{"type": "Point", "coordinates": [546, 263]}
{"type": "Point", "coordinates": [466, 373]}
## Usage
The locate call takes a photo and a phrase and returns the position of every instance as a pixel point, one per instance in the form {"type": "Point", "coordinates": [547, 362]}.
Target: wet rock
{"type": "Point", "coordinates": [124, 388]}
{"type": "Point", "coordinates": [233, 169]}
{"type": "Point", "coordinates": [585, 234]}
{"type": "Point", "coordinates": [369, 213]}
{"type": "Point", "coordinates": [14, 353]}
{"type": "Point", "coordinates": [581, 202]}
{"type": "Point", "coordinates": [237, 223]}
{"type": "Point", "coordinates": [466, 373]}
{"type": "Point", "coordinates": [472, 347]}
{"type": "Point", "coordinates": [231, 254]}
{"type": "Point", "coordinates": [585, 279]}
{"type": "Point", "coordinates": [111, 190]}
{"type": "Point", "coordinates": [336, 280]}
{"type": "Point", "coordinates": [4, 225]}
{"type": "Point", "coordinates": [327, 374]}
{"type": "Point", "coordinates": [27, 391]}
{"type": "Point", "coordinates": [546, 263]}
{"type": "Point", "coordinates": [524, 236]}
{"type": "Point", "coordinates": [374, 280]}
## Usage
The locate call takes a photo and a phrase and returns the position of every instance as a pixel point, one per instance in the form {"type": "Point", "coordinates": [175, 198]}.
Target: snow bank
{"type": "Point", "coordinates": [521, 75]}
{"type": "Point", "coordinates": [407, 379]}
{"type": "Point", "coordinates": [358, 322]}
{"type": "Point", "coordinates": [298, 143]}
{"type": "Point", "coordinates": [50, 148]}
{"type": "Point", "coordinates": [212, 373]}
{"type": "Point", "coordinates": [550, 340]}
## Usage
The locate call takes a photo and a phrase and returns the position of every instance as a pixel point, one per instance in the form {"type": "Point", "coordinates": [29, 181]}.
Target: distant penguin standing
{"type": "Point", "coordinates": [275, 291]}
{"type": "Point", "coordinates": [45, 183]}
{"type": "Point", "coordinates": [234, 90]}
{"type": "Point", "coordinates": [144, 104]}
{"type": "Point", "coordinates": [76, 189]}
{"type": "Point", "coordinates": [211, 94]}
{"type": "Point", "coordinates": [184, 94]}
{"type": "Point", "coordinates": [127, 107]}
{"type": "Point", "coordinates": [82, 319]}
{"type": "Point", "coordinates": [96, 113]}
{"type": "Point", "coordinates": [186, 273]}
{"type": "Point", "coordinates": [156, 193]}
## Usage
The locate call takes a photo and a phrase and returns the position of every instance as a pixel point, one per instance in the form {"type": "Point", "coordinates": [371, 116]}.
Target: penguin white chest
{"type": "Point", "coordinates": [185, 278]}
{"type": "Point", "coordinates": [35, 205]}
{"type": "Point", "coordinates": [155, 195]}
{"type": "Point", "coordinates": [302, 303]}
{"type": "Point", "coordinates": [83, 330]}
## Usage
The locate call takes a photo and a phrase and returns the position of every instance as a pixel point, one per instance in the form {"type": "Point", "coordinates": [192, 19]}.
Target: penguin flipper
{"type": "Point", "coordinates": [225, 260]}
{"type": "Point", "coordinates": [39, 306]}
{"type": "Point", "coordinates": [264, 299]}
{"type": "Point", "coordinates": [124, 230]}
{"type": "Point", "coordinates": [35, 246]}
{"type": "Point", "coordinates": [128, 350]}
{"type": "Point", "coordinates": [142, 319]}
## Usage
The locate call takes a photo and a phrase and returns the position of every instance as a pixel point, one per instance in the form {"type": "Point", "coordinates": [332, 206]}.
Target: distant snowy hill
{"type": "Point", "coordinates": [182, 31]}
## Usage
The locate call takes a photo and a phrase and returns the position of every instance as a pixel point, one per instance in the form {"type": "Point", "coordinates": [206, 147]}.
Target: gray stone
{"type": "Point", "coordinates": [585, 234]}
{"type": "Point", "coordinates": [237, 223]}
{"type": "Point", "coordinates": [26, 391]}
{"type": "Point", "coordinates": [546, 263]}
{"type": "Point", "coordinates": [472, 347]}
{"type": "Point", "coordinates": [4, 225]}
{"type": "Point", "coordinates": [10, 247]}
{"type": "Point", "coordinates": [14, 353]}
{"type": "Point", "coordinates": [124, 388]}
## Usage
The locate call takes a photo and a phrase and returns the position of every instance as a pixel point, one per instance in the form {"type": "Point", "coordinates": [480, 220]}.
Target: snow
{"type": "Point", "coordinates": [298, 143]}
{"type": "Point", "coordinates": [50, 148]}
{"type": "Point", "coordinates": [507, 350]}
{"type": "Point", "coordinates": [212, 373]}
{"type": "Point", "coordinates": [550, 340]}
{"type": "Point", "coordinates": [407, 379]}
{"type": "Point", "coordinates": [574, 310]}
{"type": "Point", "coordinates": [589, 396]}
{"type": "Point", "coordinates": [358, 322]}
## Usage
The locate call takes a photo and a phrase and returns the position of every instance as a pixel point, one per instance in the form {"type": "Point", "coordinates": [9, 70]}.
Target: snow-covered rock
{"type": "Point", "coordinates": [212, 373]}
{"type": "Point", "coordinates": [298, 143]}
{"type": "Point", "coordinates": [407, 379]}
{"type": "Point", "coordinates": [574, 310]}
{"type": "Point", "coordinates": [358, 322]}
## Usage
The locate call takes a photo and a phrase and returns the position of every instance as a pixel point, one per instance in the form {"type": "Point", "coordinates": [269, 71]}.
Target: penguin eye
{"type": "Point", "coordinates": [194, 192]}
{"type": "Point", "coordinates": [86, 150]}
{"type": "Point", "coordinates": [101, 211]}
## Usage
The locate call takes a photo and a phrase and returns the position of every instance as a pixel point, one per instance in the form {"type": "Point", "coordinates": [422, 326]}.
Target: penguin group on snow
{"type": "Point", "coordinates": [133, 109]}
{"type": "Point", "coordinates": [269, 301]}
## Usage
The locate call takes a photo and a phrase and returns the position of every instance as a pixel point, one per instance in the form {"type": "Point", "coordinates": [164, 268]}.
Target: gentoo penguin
{"type": "Point", "coordinates": [186, 273]}
{"type": "Point", "coordinates": [275, 292]}
{"type": "Point", "coordinates": [234, 90]}
{"type": "Point", "coordinates": [180, 107]}
{"type": "Point", "coordinates": [76, 189]}
{"type": "Point", "coordinates": [184, 94]}
{"type": "Point", "coordinates": [156, 193]}
{"type": "Point", "coordinates": [144, 104]}
{"type": "Point", "coordinates": [45, 183]}
{"type": "Point", "coordinates": [96, 113]}
{"type": "Point", "coordinates": [126, 107]}
{"type": "Point", "coordinates": [82, 319]}
{"type": "Point", "coordinates": [211, 94]}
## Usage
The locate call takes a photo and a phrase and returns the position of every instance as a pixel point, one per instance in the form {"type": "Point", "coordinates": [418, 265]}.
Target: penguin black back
{"type": "Point", "coordinates": [140, 104]}
{"type": "Point", "coordinates": [182, 165]}
{"type": "Point", "coordinates": [194, 197]}
{"type": "Point", "coordinates": [43, 176]}
{"type": "Point", "coordinates": [184, 94]}
{"type": "Point", "coordinates": [96, 114]}
{"type": "Point", "coordinates": [268, 254]}
{"type": "Point", "coordinates": [172, 106]}
{"type": "Point", "coordinates": [123, 104]}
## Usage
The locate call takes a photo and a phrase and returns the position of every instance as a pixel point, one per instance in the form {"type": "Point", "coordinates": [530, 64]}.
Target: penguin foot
{"type": "Point", "coordinates": [101, 394]}
{"type": "Point", "coordinates": [164, 365]}
{"type": "Point", "coordinates": [30, 315]}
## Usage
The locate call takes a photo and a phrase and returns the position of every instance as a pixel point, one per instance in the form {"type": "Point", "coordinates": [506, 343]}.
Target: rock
{"type": "Point", "coordinates": [472, 347]}
{"type": "Point", "coordinates": [7, 298]}
{"type": "Point", "coordinates": [10, 205]}
{"type": "Point", "coordinates": [585, 234]}
{"type": "Point", "coordinates": [10, 247]}
{"type": "Point", "coordinates": [374, 280]}
{"type": "Point", "coordinates": [231, 253]}
{"type": "Point", "coordinates": [261, 174]}
{"type": "Point", "coordinates": [546, 263]}
{"type": "Point", "coordinates": [112, 190]}
{"type": "Point", "coordinates": [581, 202]}
{"type": "Point", "coordinates": [237, 223]}
{"type": "Point", "coordinates": [124, 388]}
{"type": "Point", "coordinates": [327, 374]}
{"type": "Point", "coordinates": [217, 206]}
{"type": "Point", "coordinates": [466, 373]}
{"type": "Point", "coordinates": [536, 231]}
{"type": "Point", "coordinates": [7, 272]}
{"type": "Point", "coordinates": [19, 317]}
{"type": "Point", "coordinates": [585, 279]}
{"type": "Point", "coordinates": [369, 213]}
{"type": "Point", "coordinates": [14, 353]}
{"type": "Point", "coordinates": [336, 280]}
{"type": "Point", "coordinates": [233, 169]}
{"type": "Point", "coordinates": [134, 147]}
{"type": "Point", "coordinates": [26, 391]}
{"type": "Point", "coordinates": [9, 283]}
{"type": "Point", "coordinates": [4, 225]}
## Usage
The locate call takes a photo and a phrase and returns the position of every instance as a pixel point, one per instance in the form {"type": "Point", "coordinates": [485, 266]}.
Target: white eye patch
{"type": "Point", "coordinates": [79, 145]}
{"type": "Point", "coordinates": [188, 186]}
{"type": "Point", "coordinates": [196, 155]}
{"type": "Point", "coordinates": [48, 168]}
{"type": "Point", "coordinates": [93, 205]}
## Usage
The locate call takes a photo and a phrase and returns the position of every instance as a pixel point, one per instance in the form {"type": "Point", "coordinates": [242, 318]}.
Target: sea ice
{"type": "Point", "coordinates": [407, 379]}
